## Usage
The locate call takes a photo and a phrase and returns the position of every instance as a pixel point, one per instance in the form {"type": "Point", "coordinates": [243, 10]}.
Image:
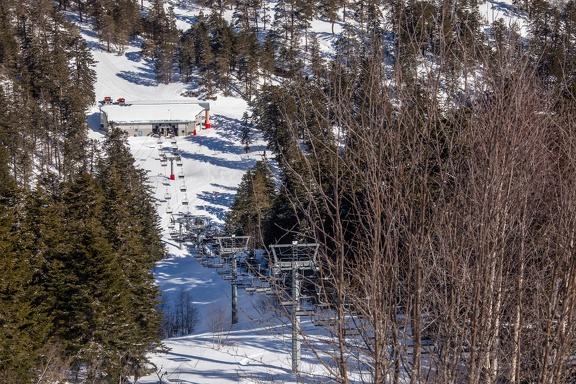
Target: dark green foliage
{"type": "Point", "coordinates": [187, 55]}
{"type": "Point", "coordinates": [247, 51]}
{"type": "Point", "coordinates": [245, 134]}
{"type": "Point", "coordinates": [161, 40]}
{"type": "Point", "coordinates": [132, 229]}
{"type": "Point", "coordinates": [21, 319]}
{"type": "Point", "coordinates": [252, 207]}
{"type": "Point", "coordinates": [116, 21]}
{"type": "Point", "coordinates": [50, 88]}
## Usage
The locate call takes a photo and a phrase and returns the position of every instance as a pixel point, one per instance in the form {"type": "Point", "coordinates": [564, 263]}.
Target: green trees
{"type": "Point", "coordinates": [251, 209]}
{"type": "Point", "coordinates": [161, 40]}
{"type": "Point", "coordinates": [76, 289]}
{"type": "Point", "coordinates": [23, 331]}
{"type": "Point", "coordinates": [76, 272]}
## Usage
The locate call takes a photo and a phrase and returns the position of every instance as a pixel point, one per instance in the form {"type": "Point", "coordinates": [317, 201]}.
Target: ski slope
{"type": "Point", "coordinates": [257, 348]}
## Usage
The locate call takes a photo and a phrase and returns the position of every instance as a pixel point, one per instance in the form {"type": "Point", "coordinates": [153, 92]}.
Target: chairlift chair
{"type": "Point", "coordinates": [163, 162]}
{"type": "Point", "coordinates": [169, 209]}
{"type": "Point", "coordinates": [166, 181]}
{"type": "Point", "coordinates": [178, 162]}
{"type": "Point", "coordinates": [181, 174]}
{"type": "Point", "coordinates": [167, 195]}
{"type": "Point", "coordinates": [183, 187]}
{"type": "Point", "coordinates": [185, 200]}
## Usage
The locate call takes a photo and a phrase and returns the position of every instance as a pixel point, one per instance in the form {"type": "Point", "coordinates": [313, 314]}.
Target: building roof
{"type": "Point", "coordinates": [139, 112]}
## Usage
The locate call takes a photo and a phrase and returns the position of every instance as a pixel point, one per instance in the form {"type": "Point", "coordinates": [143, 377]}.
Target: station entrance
{"type": "Point", "coordinates": [165, 129]}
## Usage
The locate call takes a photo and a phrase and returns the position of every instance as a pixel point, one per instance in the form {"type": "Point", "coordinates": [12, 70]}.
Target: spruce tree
{"type": "Point", "coordinates": [132, 228]}
{"type": "Point", "coordinates": [252, 206]}
{"type": "Point", "coordinates": [21, 318]}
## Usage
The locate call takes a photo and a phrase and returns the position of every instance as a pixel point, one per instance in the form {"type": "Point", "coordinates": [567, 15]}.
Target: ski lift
{"type": "Point", "coordinates": [166, 181]}
{"type": "Point", "coordinates": [171, 224]}
{"type": "Point", "coordinates": [163, 162]}
{"type": "Point", "coordinates": [178, 161]}
{"type": "Point", "coordinates": [185, 200]}
{"type": "Point", "coordinates": [167, 195]}
{"type": "Point", "coordinates": [173, 141]}
{"type": "Point", "coordinates": [181, 174]}
{"type": "Point", "coordinates": [168, 209]}
{"type": "Point", "coordinates": [183, 187]}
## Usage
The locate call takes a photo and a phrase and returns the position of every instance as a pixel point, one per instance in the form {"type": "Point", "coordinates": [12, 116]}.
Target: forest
{"type": "Point", "coordinates": [432, 157]}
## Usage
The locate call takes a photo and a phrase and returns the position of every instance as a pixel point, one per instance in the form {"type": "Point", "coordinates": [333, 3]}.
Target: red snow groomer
{"type": "Point", "coordinates": [107, 100]}
{"type": "Point", "coordinates": [121, 101]}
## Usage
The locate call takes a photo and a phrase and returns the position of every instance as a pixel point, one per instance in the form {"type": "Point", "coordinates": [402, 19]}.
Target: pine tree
{"type": "Point", "coordinates": [132, 229]}
{"type": "Point", "coordinates": [222, 41]}
{"type": "Point", "coordinates": [267, 58]}
{"type": "Point", "coordinates": [21, 318]}
{"type": "Point", "coordinates": [317, 62]}
{"type": "Point", "coordinates": [245, 133]}
{"type": "Point", "coordinates": [187, 55]}
{"type": "Point", "coordinates": [247, 53]}
{"type": "Point", "coordinates": [207, 75]}
{"type": "Point", "coordinates": [252, 207]}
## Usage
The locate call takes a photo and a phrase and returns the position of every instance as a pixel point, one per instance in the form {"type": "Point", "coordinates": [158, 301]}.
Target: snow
{"type": "Point", "coordinates": [147, 112]}
{"type": "Point", "coordinates": [257, 348]}
{"type": "Point", "coordinates": [503, 10]}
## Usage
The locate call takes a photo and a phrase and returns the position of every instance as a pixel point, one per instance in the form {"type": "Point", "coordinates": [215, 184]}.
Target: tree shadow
{"type": "Point", "coordinates": [508, 10]}
{"type": "Point", "coordinates": [93, 121]}
{"type": "Point", "coordinates": [134, 56]}
{"type": "Point", "coordinates": [145, 78]}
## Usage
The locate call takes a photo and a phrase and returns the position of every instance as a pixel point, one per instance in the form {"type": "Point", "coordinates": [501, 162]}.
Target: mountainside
{"type": "Point", "coordinates": [420, 153]}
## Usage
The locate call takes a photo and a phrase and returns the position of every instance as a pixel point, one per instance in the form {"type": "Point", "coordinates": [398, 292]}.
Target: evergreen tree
{"type": "Point", "coordinates": [252, 207]}
{"type": "Point", "coordinates": [317, 62]}
{"type": "Point", "coordinates": [245, 133]}
{"type": "Point", "coordinates": [166, 47]}
{"type": "Point", "coordinates": [222, 43]}
{"type": "Point", "coordinates": [187, 55]}
{"type": "Point", "coordinates": [132, 228]}
{"type": "Point", "coordinates": [21, 319]}
{"type": "Point", "coordinates": [247, 53]}
{"type": "Point", "coordinates": [267, 58]}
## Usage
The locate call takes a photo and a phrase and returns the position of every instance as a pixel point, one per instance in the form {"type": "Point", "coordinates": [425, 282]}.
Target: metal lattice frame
{"type": "Point", "coordinates": [233, 244]}
{"type": "Point", "coordinates": [295, 256]}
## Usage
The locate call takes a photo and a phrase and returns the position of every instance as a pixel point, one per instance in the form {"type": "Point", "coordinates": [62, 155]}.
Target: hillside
{"type": "Point", "coordinates": [422, 153]}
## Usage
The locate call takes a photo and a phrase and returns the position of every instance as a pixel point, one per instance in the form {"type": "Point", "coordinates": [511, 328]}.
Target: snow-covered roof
{"type": "Point", "coordinates": [153, 112]}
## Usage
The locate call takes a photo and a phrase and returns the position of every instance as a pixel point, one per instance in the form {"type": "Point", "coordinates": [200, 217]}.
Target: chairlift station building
{"type": "Point", "coordinates": [144, 118]}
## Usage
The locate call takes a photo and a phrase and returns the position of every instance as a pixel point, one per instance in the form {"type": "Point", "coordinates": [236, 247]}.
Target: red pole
{"type": "Point", "coordinates": [207, 120]}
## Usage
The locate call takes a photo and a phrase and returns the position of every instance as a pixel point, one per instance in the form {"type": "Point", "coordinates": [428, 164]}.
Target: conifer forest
{"type": "Point", "coordinates": [431, 155]}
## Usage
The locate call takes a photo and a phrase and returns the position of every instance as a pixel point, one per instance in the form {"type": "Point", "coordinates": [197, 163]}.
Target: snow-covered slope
{"type": "Point", "coordinates": [213, 163]}
{"type": "Point", "coordinates": [256, 349]}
